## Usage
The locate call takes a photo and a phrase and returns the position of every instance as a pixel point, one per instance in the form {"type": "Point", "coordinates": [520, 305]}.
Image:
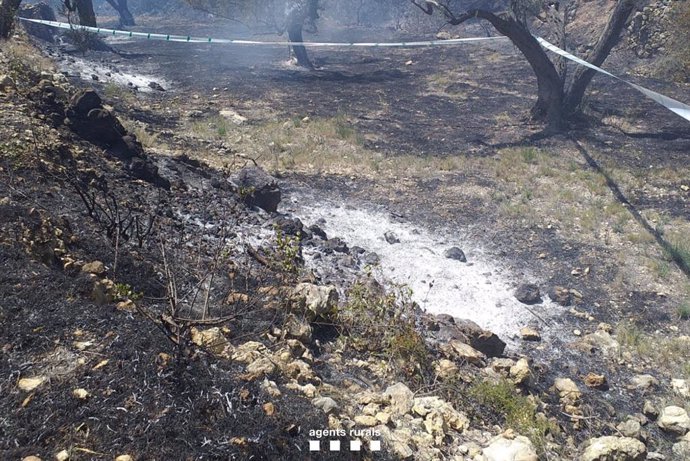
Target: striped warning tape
{"type": "Point", "coordinates": [671, 104]}
{"type": "Point", "coordinates": [190, 39]}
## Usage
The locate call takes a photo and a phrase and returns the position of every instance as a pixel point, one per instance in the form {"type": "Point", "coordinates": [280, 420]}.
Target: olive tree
{"type": "Point", "coordinates": [559, 96]}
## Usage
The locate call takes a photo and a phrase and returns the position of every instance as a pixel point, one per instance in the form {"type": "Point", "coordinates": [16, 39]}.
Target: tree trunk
{"type": "Point", "coordinates": [583, 75]}
{"type": "Point", "coordinates": [126, 17]}
{"type": "Point", "coordinates": [549, 105]}
{"type": "Point", "coordinates": [87, 17]}
{"type": "Point", "coordinates": [8, 9]}
{"type": "Point", "coordinates": [295, 23]}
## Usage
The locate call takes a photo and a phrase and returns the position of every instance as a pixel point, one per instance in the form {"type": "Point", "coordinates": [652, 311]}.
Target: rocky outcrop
{"type": "Point", "coordinates": [615, 448]}
{"type": "Point", "coordinates": [257, 188]}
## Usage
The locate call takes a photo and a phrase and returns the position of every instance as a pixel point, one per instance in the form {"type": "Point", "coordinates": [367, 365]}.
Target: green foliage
{"type": "Point", "coordinates": [383, 324]}
{"type": "Point", "coordinates": [519, 412]}
{"type": "Point", "coordinates": [684, 311]}
{"type": "Point", "coordinates": [125, 291]}
{"type": "Point", "coordinates": [287, 251]}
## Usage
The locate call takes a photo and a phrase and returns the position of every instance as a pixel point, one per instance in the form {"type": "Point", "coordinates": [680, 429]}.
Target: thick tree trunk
{"type": "Point", "coordinates": [87, 17]}
{"type": "Point", "coordinates": [126, 17]}
{"type": "Point", "coordinates": [295, 23]}
{"type": "Point", "coordinates": [549, 105]}
{"type": "Point", "coordinates": [8, 9]}
{"type": "Point", "coordinates": [583, 75]}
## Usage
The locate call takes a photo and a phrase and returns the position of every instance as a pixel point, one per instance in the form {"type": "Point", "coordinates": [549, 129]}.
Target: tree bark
{"type": "Point", "coordinates": [583, 75]}
{"type": "Point", "coordinates": [8, 9]}
{"type": "Point", "coordinates": [295, 23]}
{"type": "Point", "coordinates": [87, 17]}
{"type": "Point", "coordinates": [126, 17]}
{"type": "Point", "coordinates": [549, 105]}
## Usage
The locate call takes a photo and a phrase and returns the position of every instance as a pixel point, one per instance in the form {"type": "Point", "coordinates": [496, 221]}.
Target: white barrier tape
{"type": "Point", "coordinates": [671, 104]}
{"type": "Point", "coordinates": [190, 39]}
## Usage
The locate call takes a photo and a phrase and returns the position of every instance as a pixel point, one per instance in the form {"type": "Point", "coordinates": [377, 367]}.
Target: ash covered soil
{"type": "Point", "coordinates": [260, 351]}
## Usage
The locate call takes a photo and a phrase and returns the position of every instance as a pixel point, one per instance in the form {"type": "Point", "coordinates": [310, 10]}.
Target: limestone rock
{"type": "Point", "coordinates": [445, 368]}
{"type": "Point", "coordinates": [596, 381]}
{"type": "Point", "coordinates": [432, 408]}
{"type": "Point", "coordinates": [248, 352]}
{"type": "Point", "coordinates": [95, 267]}
{"type": "Point", "coordinates": [568, 391]}
{"type": "Point", "coordinates": [520, 372]}
{"type": "Point", "coordinates": [62, 455]}
{"type": "Point", "coordinates": [30, 384]}
{"type": "Point", "coordinates": [643, 382]}
{"type": "Point", "coordinates": [124, 458]}
{"type": "Point", "coordinates": [271, 388]}
{"type": "Point", "coordinates": [611, 448]}
{"type": "Point", "coordinates": [464, 352]}
{"type": "Point", "coordinates": [600, 341]}
{"type": "Point", "coordinates": [401, 398]}
{"type": "Point", "coordinates": [675, 420]}
{"type": "Point", "coordinates": [320, 301]}
{"type": "Point", "coordinates": [681, 387]}
{"type": "Point", "coordinates": [630, 428]}
{"type": "Point", "coordinates": [397, 441]}
{"type": "Point", "coordinates": [260, 368]}
{"type": "Point", "coordinates": [504, 448]}
{"type": "Point", "coordinates": [327, 404]}
{"type": "Point", "coordinates": [212, 340]}
{"type": "Point", "coordinates": [530, 334]}
{"type": "Point", "coordinates": [366, 420]}
{"type": "Point", "coordinates": [297, 329]}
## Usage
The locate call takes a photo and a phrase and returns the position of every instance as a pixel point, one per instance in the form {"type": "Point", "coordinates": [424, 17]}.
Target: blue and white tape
{"type": "Point", "coordinates": [671, 104]}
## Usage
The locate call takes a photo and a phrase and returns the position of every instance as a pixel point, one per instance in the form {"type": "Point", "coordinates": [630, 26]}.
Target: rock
{"type": "Point", "coordinates": [212, 340]}
{"type": "Point", "coordinates": [156, 86]}
{"type": "Point", "coordinates": [85, 101]}
{"type": "Point", "coordinates": [397, 441]}
{"type": "Point", "coordinates": [31, 458]}
{"type": "Point", "coordinates": [528, 293]}
{"type": "Point", "coordinates": [391, 238]}
{"type": "Point", "coordinates": [383, 417]}
{"type": "Point", "coordinates": [681, 450]}
{"type": "Point", "coordinates": [103, 291]}
{"type": "Point", "coordinates": [455, 253]}
{"type": "Point", "coordinates": [643, 382]}
{"type": "Point", "coordinates": [611, 448]}
{"type": "Point", "coordinates": [41, 11]}
{"type": "Point", "coordinates": [318, 231]}
{"type": "Point", "coordinates": [124, 458]}
{"type": "Point", "coordinates": [327, 404]}
{"type": "Point", "coordinates": [465, 352]}
{"type": "Point", "coordinates": [81, 394]}
{"type": "Point", "coordinates": [95, 267]}
{"type": "Point", "coordinates": [530, 334]}
{"type": "Point", "coordinates": [258, 188]}
{"type": "Point", "coordinates": [320, 301]}
{"type": "Point", "coordinates": [560, 295]}
{"type": "Point", "coordinates": [649, 410]}
{"type": "Point", "coordinates": [520, 373]}
{"type": "Point", "coordinates": [630, 428]}
{"type": "Point", "coordinates": [681, 387]}
{"type": "Point", "coordinates": [503, 448]}
{"type": "Point", "coordinates": [445, 368]}
{"type": "Point", "coordinates": [248, 352]}
{"type": "Point", "coordinates": [271, 388]}
{"type": "Point", "coordinates": [431, 407]}
{"type": "Point", "coordinates": [401, 398]}
{"type": "Point", "coordinates": [674, 419]}
{"type": "Point", "coordinates": [62, 455]}
{"type": "Point", "coordinates": [596, 381]}
{"type": "Point", "coordinates": [470, 333]}
{"type": "Point", "coordinates": [297, 329]}
{"type": "Point", "coordinates": [6, 83]}
{"type": "Point", "coordinates": [365, 420]}
{"type": "Point", "coordinates": [30, 384]}
{"type": "Point", "coordinates": [601, 341]}
{"type": "Point", "coordinates": [260, 368]}
{"type": "Point", "coordinates": [568, 391]}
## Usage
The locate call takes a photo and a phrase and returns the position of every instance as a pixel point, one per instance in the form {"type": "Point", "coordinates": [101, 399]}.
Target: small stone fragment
{"type": "Point", "coordinates": [30, 384]}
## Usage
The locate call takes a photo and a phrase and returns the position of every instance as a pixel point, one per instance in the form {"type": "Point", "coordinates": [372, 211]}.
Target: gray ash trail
{"type": "Point", "coordinates": [480, 289]}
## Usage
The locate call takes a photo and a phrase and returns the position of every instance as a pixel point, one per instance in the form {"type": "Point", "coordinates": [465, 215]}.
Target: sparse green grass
{"type": "Point", "coordinates": [660, 350]}
{"type": "Point", "coordinates": [213, 128]}
{"type": "Point", "coordinates": [147, 138]}
{"type": "Point", "coordinates": [520, 413]}
{"type": "Point", "coordinates": [683, 311]}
